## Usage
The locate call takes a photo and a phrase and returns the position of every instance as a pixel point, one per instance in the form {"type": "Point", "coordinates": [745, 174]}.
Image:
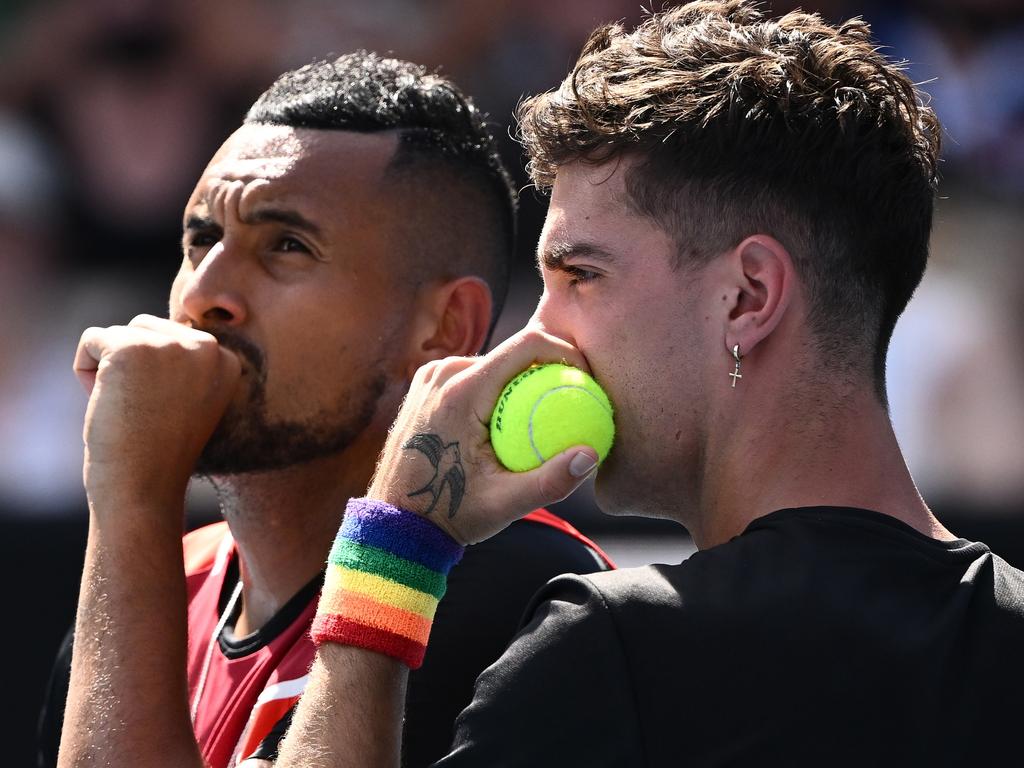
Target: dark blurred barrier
{"type": "Point", "coordinates": [41, 567]}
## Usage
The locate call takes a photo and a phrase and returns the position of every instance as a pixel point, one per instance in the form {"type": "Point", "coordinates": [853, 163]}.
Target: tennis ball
{"type": "Point", "coordinates": [547, 409]}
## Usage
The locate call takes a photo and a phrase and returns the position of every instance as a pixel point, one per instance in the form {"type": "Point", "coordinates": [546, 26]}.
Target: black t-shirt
{"type": "Point", "coordinates": [818, 637]}
{"type": "Point", "coordinates": [487, 595]}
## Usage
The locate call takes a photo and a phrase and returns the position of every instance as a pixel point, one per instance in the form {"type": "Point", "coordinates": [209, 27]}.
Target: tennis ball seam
{"type": "Point", "coordinates": [540, 457]}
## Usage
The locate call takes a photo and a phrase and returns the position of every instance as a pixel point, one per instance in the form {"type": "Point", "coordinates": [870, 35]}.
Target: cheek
{"type": "Point", "coordinates": [302, 380]}
{"type": "Point", "coordinates": [651, 372]}
{"type": "Point", "coordinates": [327, 358]}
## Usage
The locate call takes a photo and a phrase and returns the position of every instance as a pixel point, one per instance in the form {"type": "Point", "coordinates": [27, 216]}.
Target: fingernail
{"type": "Point", "coordinates": [581, 464]}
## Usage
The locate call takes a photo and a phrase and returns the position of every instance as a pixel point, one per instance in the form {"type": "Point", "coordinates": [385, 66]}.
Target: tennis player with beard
{"type": "Point", "coordinates": [356, 226]}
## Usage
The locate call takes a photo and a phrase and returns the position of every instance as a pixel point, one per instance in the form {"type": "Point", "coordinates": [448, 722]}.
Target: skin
{"type": "Point", "coordinates": [329, 312]}
{"type": "Point", "coordinates": [690, 447]}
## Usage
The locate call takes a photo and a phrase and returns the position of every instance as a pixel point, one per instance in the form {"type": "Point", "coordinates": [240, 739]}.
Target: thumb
{"type": "Point", "coordinates": [560, 475]}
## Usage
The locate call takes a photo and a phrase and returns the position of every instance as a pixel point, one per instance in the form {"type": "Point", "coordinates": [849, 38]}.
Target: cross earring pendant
{"type": "Point", "coordinates": [736, 373]}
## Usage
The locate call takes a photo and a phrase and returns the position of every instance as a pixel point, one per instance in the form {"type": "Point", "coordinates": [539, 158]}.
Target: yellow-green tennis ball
{"type": "Point", "coordinates": [547, 409]}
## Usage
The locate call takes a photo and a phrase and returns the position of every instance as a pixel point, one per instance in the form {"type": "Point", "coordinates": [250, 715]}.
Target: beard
{"type": "Point", "coordinates": [248, 440]}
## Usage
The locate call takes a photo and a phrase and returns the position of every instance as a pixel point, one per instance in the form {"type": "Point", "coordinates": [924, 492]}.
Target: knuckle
{"type": "Point", "coordinates": [458, 389]}
{"type": "Point", "coordinates": [532, 336]}
{"type": "Point", "coordinates": [549, 489]}
{"type": "Point", "coordinates": [208, 354]}
{"type": "Point", "coordinates": [199, 343]}
{"type": "Point", "coordinates": [424, 373]}
{"type": "Point", "coordinates": [201, 335]}
{"type": "Point", "coordinates": [89, 335]}
{"type": "Point", "coordinates": [449, 366]}
{"type": "Point", "coordinates": [207, 344]}
{"type": "Point", "coordinates": [145, 351]}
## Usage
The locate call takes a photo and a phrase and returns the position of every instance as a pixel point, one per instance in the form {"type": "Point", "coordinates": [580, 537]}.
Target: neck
{"type": "Point", "coordinates": [283, 523]}
{"type": "Point", "coordinates": [792, 453]}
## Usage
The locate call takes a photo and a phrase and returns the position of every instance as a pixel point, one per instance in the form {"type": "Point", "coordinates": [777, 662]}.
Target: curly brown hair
{"type": "Point", "coordinates": [791, 127]}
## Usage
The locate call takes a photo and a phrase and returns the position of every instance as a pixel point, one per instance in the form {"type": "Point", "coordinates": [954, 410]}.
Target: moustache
{"type": "Point", "coordinates": [252, 354]}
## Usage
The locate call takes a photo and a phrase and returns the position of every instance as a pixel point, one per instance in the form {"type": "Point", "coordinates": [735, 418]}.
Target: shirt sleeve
{"type": "Point", "coordinates": [270, 746]}
{"type": "Point", "coordinates": [560, 687]}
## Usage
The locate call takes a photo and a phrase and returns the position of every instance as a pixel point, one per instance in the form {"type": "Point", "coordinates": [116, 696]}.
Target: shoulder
{"type": "Point", "coordinates": [567, 653]}
{"type": "Point", "coordinates": [489, 591]}
{"type": "Point", "coordinates": [1002, 588]}
{"type": "Point", "coordinates": [567, 623]}
{"type": "Point", "coordinates": [1009, 582]}
{"type": "Point", "coordinates": [712, 600]}
{"type": "Point", "coordinates": [679, 589]}
{"type": "Point", "coordinates": [609, 607]}
{"type": "Point", "coordinates": [487, 595]}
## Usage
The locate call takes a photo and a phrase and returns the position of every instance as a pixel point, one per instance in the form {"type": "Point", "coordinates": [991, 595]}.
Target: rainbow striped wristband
{"type": "Point", "coordinates": [386, 573]}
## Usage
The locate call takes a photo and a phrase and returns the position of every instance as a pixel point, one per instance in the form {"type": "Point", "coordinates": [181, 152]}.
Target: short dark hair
{"type": "Point", "coordinates": [465, 199]}
{"type": "Point", "coordinates": [791, 127]}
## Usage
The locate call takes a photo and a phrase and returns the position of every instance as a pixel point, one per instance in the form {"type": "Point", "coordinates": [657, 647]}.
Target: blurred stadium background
{"type": "Point", "coordinates": [109, 110]}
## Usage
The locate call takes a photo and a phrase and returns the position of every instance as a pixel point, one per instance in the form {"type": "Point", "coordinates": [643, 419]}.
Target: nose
{"type": "Point", "coordinates": [549, 317]}
{"type": "Point", "coordinates": [210, 294]}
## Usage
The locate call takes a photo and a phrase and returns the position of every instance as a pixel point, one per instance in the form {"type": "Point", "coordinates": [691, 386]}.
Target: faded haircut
{"type": "Point", "coordinates": [790, 127]}
{"type": "Point", "coordinates": [461, 219]}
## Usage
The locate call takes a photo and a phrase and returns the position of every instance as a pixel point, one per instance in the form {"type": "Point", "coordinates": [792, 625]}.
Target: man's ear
{"type": "Point", "coordinates": [454, 320]}
{"type": "Point", "coordinates": [763, 284]}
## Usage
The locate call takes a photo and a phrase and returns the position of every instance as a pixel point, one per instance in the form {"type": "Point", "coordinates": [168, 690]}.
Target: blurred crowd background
{"type": "Point", "coordinates": [109, 109]}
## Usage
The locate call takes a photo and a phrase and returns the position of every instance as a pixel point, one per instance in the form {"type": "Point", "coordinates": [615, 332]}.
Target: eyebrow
{"type": "Point", "coordinates": [195, 223]}
{"type": "Point", "coordinates": [286, 216]}
{"type": "Point", "coordinates": [554, 257]}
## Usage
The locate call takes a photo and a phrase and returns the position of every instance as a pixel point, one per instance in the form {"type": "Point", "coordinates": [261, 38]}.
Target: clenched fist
{"type": "Point", "coordinates": [438, 459]}
{"type": "Point", "coordinates": [157, 389]}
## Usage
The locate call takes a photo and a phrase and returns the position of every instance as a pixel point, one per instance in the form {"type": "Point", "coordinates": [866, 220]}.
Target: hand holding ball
{"type": "Point", "coordinates": [547, 409]}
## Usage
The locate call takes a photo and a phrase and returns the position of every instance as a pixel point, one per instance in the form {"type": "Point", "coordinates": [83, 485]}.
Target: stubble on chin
{"type": "Point", "coordinates": [247, 440]}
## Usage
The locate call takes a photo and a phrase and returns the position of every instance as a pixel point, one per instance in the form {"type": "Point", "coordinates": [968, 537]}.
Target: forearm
{"type": "Point", "coordinates": [350, 714]}
{"type": "Point", "coordinates": [157, 390]}
{"type": "Point", "coordinates": [128, 697]}
{"type": "Point", "coordinates": [385, 575]}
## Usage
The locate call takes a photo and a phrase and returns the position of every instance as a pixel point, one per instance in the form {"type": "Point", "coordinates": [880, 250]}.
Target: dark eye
{"type": "Point", "coordinates": [198, 242]}
{"type": "Point", "coordinates": [204, 240]}
{"type": "Point", "coordinates": [292, 245]}
{"type": "Point", "coordinates": [578, 275]}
